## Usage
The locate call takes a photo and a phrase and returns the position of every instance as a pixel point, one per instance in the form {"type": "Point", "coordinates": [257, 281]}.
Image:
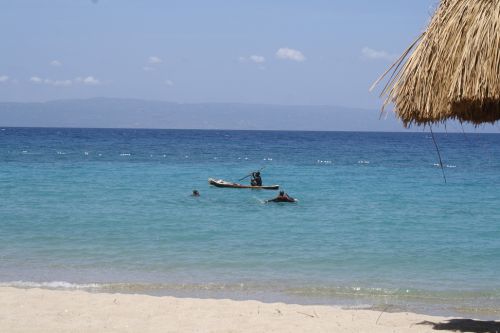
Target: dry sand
{"type": "Point", "coordinates": [39, 310]}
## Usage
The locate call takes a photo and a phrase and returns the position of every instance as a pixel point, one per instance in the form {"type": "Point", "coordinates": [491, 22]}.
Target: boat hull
{"type": "Point", "coordinates": [223, 183]}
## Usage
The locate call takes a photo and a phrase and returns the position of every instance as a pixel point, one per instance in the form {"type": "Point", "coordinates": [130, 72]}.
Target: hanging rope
{"type": "Point", "coordinates": [439, 153]}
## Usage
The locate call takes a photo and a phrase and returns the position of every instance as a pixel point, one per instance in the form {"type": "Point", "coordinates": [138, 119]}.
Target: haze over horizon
{"type": "Point", "coordinates": [138, 113]}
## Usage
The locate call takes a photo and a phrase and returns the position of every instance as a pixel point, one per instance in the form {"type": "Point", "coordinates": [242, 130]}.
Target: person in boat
{"type": "Point", "coordinates": [282, 197]}
{"type": "Point", "coordinates": [256, 179]}
{"type": "Point", "coordinates": [195, 193]}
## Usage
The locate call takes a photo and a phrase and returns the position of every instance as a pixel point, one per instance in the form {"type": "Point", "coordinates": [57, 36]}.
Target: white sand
{"type": "Point", "coordinates": [38, 310]}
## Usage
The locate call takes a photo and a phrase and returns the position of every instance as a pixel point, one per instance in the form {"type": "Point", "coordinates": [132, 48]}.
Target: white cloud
{"type": "Point", "coordinates": [148, 69]}
{"type": "Point", "coordinates": [55, 63]}
{"type": "Point", "coordinates": [55, 83]}
{"type": "Point", "coordinates": [169, 83]}
{"type": "Point", "coordinates": [4, 78]}
{"type": "Point", "coordinates": [36, 79]}
{"type": "Point", "coordinates": [154, 60]}
{"type": "Point", "coordinates": [61, 83]}
{"type": "Point", "coordinates": [89, 81]}
{"type": "Point", "coordinates": [369, 53]}
{"type": "Point", "coordinates": [50, 82]}
{"type": "Point", "coordinates": [290, 54]}
{"type": "Point", "coordinates": [257, 59]}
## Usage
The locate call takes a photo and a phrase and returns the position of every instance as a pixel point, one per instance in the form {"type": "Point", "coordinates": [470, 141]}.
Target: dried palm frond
{"type": "Point", "coordinates": [454, 69]}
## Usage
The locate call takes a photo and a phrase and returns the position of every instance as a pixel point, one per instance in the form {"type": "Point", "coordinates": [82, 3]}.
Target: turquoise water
{"type": "Point", "coordinates": [375, 225]}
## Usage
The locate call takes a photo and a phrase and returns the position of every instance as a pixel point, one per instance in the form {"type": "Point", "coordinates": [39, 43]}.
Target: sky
{"type": "Point", "coordinates": [316, 52]}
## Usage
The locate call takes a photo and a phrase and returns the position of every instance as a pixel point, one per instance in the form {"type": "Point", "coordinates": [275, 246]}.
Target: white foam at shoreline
{"type": "Point", "coordinates": [51, 285]}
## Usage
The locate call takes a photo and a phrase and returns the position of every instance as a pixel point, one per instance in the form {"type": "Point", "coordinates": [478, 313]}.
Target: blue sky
{"type": "Point", "coordinates": [280, 52]}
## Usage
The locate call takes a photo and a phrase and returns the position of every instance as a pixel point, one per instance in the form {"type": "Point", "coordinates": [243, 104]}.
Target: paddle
{"type": "Point", "coordinates": [252, 173]}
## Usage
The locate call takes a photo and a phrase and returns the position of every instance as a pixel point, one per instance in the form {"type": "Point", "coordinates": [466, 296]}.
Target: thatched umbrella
{"type": "Point", "coordinates": [454, 70]}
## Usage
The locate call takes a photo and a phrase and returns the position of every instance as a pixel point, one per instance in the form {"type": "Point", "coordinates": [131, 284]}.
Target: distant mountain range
{"type": "Point", "coordinates": [135, 113]}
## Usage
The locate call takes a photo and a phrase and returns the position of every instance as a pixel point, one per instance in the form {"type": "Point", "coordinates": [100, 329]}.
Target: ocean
{"type": "Point", "coordinates": [376, 226]}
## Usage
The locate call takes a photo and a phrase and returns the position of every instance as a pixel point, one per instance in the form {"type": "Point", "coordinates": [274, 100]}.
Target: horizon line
{"type": "Point", "coordinates": [423, 131]}
{"type": "Point", "coordinates": [188, 103]}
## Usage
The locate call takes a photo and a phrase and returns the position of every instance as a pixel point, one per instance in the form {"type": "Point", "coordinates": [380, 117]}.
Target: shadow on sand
{"type": "Point", "coordinates": [466, 325]}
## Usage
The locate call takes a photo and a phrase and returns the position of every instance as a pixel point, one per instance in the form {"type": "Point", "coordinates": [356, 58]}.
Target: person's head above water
{"type": "Point", "coordinates": [195, 193]}
{"type": "Point", "coordinates": [257, 173]}
{"type": "Point", "coordinates": [282, 193]}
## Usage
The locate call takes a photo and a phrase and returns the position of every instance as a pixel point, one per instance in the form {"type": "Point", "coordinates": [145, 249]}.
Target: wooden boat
{"type": "Point", "coordinates": [223, 183]}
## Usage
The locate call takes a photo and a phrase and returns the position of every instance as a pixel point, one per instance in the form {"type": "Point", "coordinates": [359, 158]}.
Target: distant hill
{"type": "Point", "coordinates": [134, 113]}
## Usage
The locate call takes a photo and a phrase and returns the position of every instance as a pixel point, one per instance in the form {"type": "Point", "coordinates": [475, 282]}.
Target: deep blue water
{"type": "Point", "coordinates": [375, 225]}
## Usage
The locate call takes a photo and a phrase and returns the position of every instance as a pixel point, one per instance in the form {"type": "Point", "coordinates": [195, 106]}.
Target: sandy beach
{"type": "Point", "coordinates": [39, 310]}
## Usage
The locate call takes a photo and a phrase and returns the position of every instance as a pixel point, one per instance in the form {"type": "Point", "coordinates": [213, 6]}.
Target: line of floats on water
{"type": "Point", "coordinates": [87, 153]}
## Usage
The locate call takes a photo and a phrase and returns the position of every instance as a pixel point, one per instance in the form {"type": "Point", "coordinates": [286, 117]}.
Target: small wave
{"type": "Point", "coordinates": [451, 166]}
{"type": "Point", "coordinates": [363, 162]}
{"type": "Point", "coordinates": [124, 287]}
{"type": "Point", "coordinates": [86, 153]}
{"type": "Point", "coordinates": [309, 291]}
{"type": "Point", "coordinates": [358, 307]}
{"type": "Point", "coordinates": [324, 162]}
{"type": "Point", "coordinates": [260, 200]}
{"type": "Point", "coordinates": [124, 154]}
{"type": "Point", "coordinates": [50, 285]}
{"type": "Point", "coordinates": [61, 153]}
{"type": "Point", "coordinates": [267, 159]}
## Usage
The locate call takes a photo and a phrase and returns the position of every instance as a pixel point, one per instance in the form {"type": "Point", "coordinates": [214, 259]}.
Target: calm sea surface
{"type": "Point", "coordinates": [375, 225]}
